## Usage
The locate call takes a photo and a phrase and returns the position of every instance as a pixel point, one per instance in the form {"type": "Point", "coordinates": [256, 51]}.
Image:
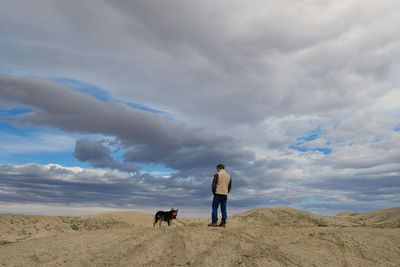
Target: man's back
{"type": "Point", "coordinates": [223, 183]}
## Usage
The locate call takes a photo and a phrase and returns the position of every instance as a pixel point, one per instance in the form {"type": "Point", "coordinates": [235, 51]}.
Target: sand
{"type": "Point", "coordinates": [279, 236]}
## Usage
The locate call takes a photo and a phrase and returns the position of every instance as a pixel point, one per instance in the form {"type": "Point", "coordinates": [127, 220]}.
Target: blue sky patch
{"type": "Point", "coordinates": [65, 158]}
{"type": "Point", "coordinates": [27, 144]}
{"type": "Point", "coordinates": [14, 111]}
{"type": "Point", "coordinates": [312, 135]}
{"type": "Point", "coordinates": [143, 107]}
{"type": "Point", "coordinates": [86, 88]}
{"type": "Point", "coordinates": [303, 148]}
{"type": "Point", "coordinates": [156, 168]}
{"type": "Point", "coordinates": [15, 72]}
{"type": "Point", "coordinates": [7, 127]}
{"type": "Point", "coordinates": [301, 142]}
{"type": "Point", "coordinates": [103, 95]}
{"type": "Point", "coordinates": [324, 150]}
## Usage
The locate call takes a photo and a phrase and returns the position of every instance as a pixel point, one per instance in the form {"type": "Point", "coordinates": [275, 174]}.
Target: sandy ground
{"type": "Point", "coordinates": [262, 237]}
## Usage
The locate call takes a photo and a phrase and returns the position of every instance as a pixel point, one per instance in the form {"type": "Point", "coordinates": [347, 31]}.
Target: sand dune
{"type": "Point", "coordinates": [21, 227]}
{"type": "Point", "coordinates": [382, 218]}
{"type": "Point", "coordinates": [279, 236]}
{"type": "Point", "coordinates": [282, 216]}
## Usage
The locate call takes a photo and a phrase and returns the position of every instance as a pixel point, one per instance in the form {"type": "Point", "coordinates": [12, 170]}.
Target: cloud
{"type": "Point", "coordinates": [245, 83]}
{"type": "Point", "coordinates": [146, 137]}
{"type": "Point", "coordinates": [14, 144]}
{"type": "Point", "coordinates": [59, 107]}
{"type": "Point", "coordinates": [56, 184]}
{"type": "Point", "coordinates": [275, 56]}
{"type": "Point", "coordinates": [99, 156]}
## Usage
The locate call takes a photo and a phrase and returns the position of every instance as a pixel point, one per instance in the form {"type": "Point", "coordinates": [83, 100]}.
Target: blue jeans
{"type": "Point", "coordinates": [219, 199]}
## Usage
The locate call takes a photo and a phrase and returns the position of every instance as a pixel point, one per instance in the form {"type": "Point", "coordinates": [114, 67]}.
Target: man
{"type": "Point", "coordinates": [221, 186]}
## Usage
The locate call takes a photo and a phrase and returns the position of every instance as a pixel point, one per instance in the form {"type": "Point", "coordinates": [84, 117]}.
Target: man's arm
{"type": "Point", "coordinates": [214, 183]}
{"type": "Point", "coordinates": [230, 185]}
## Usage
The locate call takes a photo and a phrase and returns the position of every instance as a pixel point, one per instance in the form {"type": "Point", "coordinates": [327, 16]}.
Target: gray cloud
{"type": "Point", "coordinates": [244, 80]}
{"type": "Point", "coordinates": [285, 179]}
{"type": "Point", "coordinates": [99, 156]}
{"type": "Point", "coordinates": [147, 137]}
{"type": "Point", "coordinates": [264, 59]}
{"type": "Point", "coordinates": [59, 107]}
{"type": "Point", "coordinates": [89, 150]}
{"type": "Point", "coordinates": [54, 184]}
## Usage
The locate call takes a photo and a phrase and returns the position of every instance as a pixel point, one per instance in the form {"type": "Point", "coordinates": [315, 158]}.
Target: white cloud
{"type": "Point", "coordinates": [265, 73]}
{"type": "Point", "coordinates": [53, 210]}
{"type": "Point", "coordinates": [13, 144]}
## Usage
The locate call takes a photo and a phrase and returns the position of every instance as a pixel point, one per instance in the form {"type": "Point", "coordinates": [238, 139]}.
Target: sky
{"type": "Point", "coordinates": [131, 104]}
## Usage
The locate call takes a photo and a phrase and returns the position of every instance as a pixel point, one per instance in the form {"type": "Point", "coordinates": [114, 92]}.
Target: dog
{"type": "Point", "coordinates": [166, 216]}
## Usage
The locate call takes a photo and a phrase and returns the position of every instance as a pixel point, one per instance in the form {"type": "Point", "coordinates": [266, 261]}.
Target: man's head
{"type": "Point", "coordinates": [220, 167]}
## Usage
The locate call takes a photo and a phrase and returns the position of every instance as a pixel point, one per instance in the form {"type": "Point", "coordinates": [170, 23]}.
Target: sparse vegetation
{"type": "Point", "coordinates": [322, 224]}
{"type": "Point", "coordinates": [395, 224]}
{"type": "Point", "coordinates": [319, 222]}
{"type": "Point", "coordinates": [93, 224]}
{"type": "Point", "coordinates": [74, 227]}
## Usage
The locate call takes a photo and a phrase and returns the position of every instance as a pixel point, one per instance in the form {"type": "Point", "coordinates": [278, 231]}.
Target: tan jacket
{"type": "Point", "coordinates": [222, 183]}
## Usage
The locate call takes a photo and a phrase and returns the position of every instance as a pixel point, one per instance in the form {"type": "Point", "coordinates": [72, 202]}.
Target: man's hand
{"type": "Point", "coordinates": [214, 183]}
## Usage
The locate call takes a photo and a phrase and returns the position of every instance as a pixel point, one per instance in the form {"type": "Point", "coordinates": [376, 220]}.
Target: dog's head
{"type": "Point", "coordinates": [174, 213]}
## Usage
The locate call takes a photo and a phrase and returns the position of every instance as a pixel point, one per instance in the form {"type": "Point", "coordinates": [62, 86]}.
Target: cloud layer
{"type": "Point", "coordinates": [146, 137]}
{"type": "Point", "coordinates": [300, 100]}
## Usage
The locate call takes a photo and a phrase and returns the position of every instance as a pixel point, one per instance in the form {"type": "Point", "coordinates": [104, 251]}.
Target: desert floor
{"type": "Point", "coordinates": [262, 237]}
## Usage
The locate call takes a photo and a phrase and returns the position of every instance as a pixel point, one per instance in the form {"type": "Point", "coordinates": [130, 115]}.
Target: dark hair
{"type": "Point", "coordinates": [220, 166]}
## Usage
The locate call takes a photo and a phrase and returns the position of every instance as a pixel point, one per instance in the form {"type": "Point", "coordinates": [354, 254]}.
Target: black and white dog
{"type": "Point", "coordinates": [166, 216]}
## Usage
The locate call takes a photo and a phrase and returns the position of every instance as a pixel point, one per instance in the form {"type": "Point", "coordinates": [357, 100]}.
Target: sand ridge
{"type": "Point", "coordinates": [279, 236]}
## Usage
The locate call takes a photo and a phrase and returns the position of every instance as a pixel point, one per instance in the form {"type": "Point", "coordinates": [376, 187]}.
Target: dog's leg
{"type": "Point", "coordinates": [155, 219]}
{"type": "Point", "coordinates": [169, 222]}
{"type": "Point", "coordinates": [160, 221]}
